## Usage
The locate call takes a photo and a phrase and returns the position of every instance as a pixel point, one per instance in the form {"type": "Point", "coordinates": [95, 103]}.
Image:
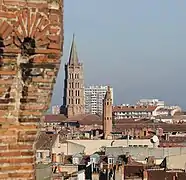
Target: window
{"type": "Point", "coordinates": [39, 155]}
{"type": "Point", "coordinates": [110, 160]}
{"type": "Point", "coordinates": [69, 101]}
{"type": "Point", "coordinates": [72, 101]}
{"type": "Point", "coordinates": [72, 93]}
{"type": "Point", "coordinates": [72, 85]}
{"type": "Point", "coordinates": [69, 92]}
{"type": "Point", "coordinates": [69, 85]}
{"type": "Point", "coordinates": [76, 76]}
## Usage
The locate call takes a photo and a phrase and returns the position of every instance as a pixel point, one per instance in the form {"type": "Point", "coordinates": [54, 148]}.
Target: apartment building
{"type": "Point", "coordinates": [127, 111]}
{"type": "Point", "coordinates": [94, 96]}
{"type": "Point", "coordinates": [150, 102]}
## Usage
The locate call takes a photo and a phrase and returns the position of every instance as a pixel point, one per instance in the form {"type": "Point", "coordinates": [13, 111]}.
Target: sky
{"type": "Point", "coordinates": [137, 47]}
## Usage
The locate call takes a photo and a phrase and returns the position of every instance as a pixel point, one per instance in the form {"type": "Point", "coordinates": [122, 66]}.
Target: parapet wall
{"type": "Point", "coordinates": [31, 41]}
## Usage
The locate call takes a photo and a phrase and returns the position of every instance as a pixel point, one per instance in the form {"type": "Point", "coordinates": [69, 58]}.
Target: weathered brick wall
{"type": "Point", "coordinates": [31, 40]}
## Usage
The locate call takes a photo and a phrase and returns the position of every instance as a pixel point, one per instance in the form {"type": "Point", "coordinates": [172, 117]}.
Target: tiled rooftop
{"type": "Point", "coordinates": [45, 141]}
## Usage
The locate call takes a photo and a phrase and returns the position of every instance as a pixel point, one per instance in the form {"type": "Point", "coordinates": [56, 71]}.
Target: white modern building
{"type": "Point", "coordinates": [55, 110]}
{"type": "Point", "coordinates": [150, 102]}
{"type": "Point", "coordinates": [94, 96]}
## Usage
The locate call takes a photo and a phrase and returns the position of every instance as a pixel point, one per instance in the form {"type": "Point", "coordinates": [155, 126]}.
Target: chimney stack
{"type": "Point", "coordinates": [53, 157]}
{"type": "Point", "coordinates": [145, 174]}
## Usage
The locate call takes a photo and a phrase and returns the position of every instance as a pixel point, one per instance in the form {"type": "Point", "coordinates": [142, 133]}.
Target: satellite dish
{"type": "Point", "coordinates": [154, 139]}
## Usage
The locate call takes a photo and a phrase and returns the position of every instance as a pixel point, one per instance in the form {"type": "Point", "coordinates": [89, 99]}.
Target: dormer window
{"type": "Point", "coordinates": [92, 160]}
{"type": "Point", "coordinates": [75, 160]}
{"type": "Point", "coordinates": [110, 160]}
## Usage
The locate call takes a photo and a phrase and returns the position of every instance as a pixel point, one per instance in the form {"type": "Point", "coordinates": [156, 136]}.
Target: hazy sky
{"type": "Point", "coordinates": [136, 46]}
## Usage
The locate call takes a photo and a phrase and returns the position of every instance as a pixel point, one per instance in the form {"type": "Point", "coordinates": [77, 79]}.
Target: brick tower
{"type": "Point", "coordinates": [73, 100]}
{"type": "Point", "coordinates": [31, 40]}
{"type": "Point", "coordinates": [107, 114]}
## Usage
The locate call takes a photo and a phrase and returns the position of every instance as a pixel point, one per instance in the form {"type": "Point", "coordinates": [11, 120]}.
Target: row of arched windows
{"type": "Point", "coordinates": [107, 118]}
{"type": "Point", "coordinates": [73, 76]}
{"type": "Point", "coordinates": [71, 93]}
{"type": "Point", "coordinates": [74, 101]}
{"type": "Point", "coordinates": [74, 85]}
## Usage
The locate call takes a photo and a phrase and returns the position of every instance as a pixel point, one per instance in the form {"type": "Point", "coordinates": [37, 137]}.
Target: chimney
{"type": "Point", "coordinates": [123, 171]}
{"type": "Point", "coordinates": [117, 166]}
{"type": "Point", "coordinates": [63, 158]}
{"type": "Point", "coordinates": [175, 177]}
{"type": "Point", "coordinates": [145, 174]}
{"type": "Point", "coordinates": [54, 157]}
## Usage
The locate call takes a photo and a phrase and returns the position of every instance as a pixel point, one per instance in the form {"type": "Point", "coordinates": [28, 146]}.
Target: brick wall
{"type": "Point", "coordinates": [31, 40]}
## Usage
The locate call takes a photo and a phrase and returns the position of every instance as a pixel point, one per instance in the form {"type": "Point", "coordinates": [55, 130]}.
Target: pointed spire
{"type": "Point", "coordinates": [108, 93]}
{"type": "Point", "coordinates": [73, 58]}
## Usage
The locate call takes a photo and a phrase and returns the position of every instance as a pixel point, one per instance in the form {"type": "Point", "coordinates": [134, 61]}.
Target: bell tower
{"type": "Point", "coordinates": [107, 113]}
{"type": "Point", "coordinates": [73, 100]}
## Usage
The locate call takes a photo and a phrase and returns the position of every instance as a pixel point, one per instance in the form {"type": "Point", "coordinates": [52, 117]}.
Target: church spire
{"type": "Point", "coordinates": [108, 93]}
{"type": "Point", "coordinates": [73, 58]}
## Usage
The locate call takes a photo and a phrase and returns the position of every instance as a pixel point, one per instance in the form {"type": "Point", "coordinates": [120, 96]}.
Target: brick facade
{"type": "Point", "coordinates": [107, 114]}
{"type": "Point", "coordinates": [31, 41]}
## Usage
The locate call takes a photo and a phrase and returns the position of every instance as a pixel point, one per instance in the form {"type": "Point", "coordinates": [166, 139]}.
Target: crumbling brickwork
{"type": "Point", "coordinates": [31, 41]}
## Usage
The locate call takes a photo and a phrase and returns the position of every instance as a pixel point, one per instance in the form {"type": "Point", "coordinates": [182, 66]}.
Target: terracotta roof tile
{"type": "Point", "coordinates": [138, 125]}
{"type": "Point", "coordinates": [133, 170]}
{"type": "Point", "coordinates": [45, 141]}
{"type": "Point", "coordinates": [86, 119]}
{"type": "Point", "coordinates": [68, 159]}
{"type": "Point", "coordinates": [160, 174]}
{"type": "Point", "coordinates": [54, 118]}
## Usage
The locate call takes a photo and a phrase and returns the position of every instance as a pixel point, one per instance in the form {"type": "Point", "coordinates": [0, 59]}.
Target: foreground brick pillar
{"type": "Point", "coordinates": [31, 40]}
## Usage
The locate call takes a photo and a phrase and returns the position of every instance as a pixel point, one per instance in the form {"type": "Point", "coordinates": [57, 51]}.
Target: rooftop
{"type": "Point", "coordinates": [45, 141]}
{"type": "Point", "coordinates": [134, 108]}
